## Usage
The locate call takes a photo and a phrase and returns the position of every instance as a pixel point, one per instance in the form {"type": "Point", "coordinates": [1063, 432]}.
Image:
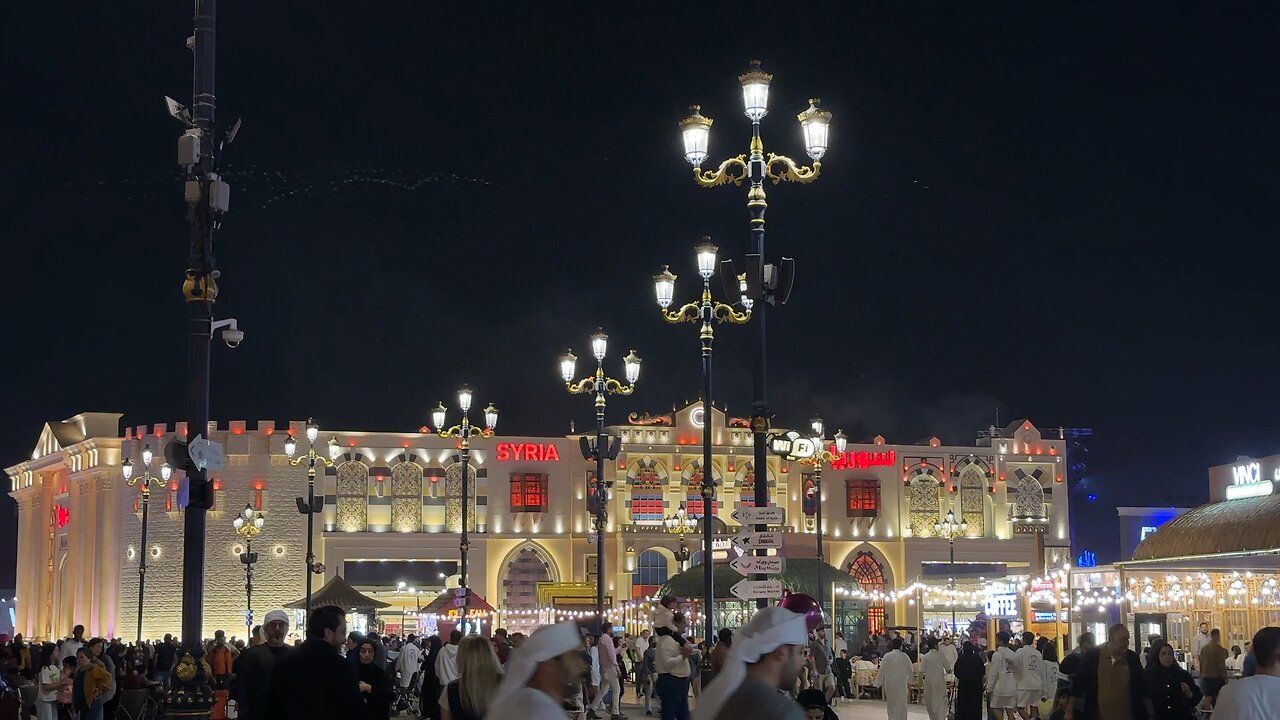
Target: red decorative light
{"type": "Point", "coordinates": [61, 516]}
{"type": "Point", "coordinates": [258, 485]}
{"type": "Point", "coordinates": [862, 459]}
{"type": "Point", "coordinates": [217, 484]}
{"type": "Point", "coordinates": [237, 431]}
{"type": "Point", "coordinates": [424, 429]}
{"type": "Point", "coordinates": [529, 452]}
{"type": "Point", "coordinates": [269, 430]}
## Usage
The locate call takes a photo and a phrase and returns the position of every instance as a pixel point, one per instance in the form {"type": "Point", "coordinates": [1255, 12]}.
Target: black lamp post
{"type": "Point", "coordinates": [950, 529]}
{"type": "Point", "coordinates": [821, 457]}
{"type": "Point", "coordinates": [600, 385]}
{"type": "Point", "coordinates": [248, 525]}
{"type": "Point", "coordinates": [144, 484]}
{"type": "Point", "coordinates": [765, 284]}
{"type": "Point", "coordinates": [309, 506]}
{"type": "Point", "coordinates": [463, 431]}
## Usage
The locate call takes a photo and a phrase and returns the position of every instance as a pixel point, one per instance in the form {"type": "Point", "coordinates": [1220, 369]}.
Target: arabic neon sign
{"type": "Point", "coordinates": [529, 452]}
{"type": "Point", "coordinates": [862, 459]}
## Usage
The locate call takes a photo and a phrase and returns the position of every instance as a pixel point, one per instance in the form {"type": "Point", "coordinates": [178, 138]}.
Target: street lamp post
{"type": "Point", "coordinates": [766, 284]}
{"type": "Point", "coordinates": [706, 311]}
{"type": "Point", "coordinates": [950, 529]}
{"type": "Point", "coordinates": [248, 525]}
{"type": "Point", "coordinates": [821, 457]}
{"type": "Point", "coordinates": [463, 431]}
{"type": "Point", "coordinates": [600, 385]}
{"type": "Point", "coordinates": [144, 483]}
{"type": "Point", "coordinates": [679, 523]}
{"type": "Point", "coordinates": [309, 507]}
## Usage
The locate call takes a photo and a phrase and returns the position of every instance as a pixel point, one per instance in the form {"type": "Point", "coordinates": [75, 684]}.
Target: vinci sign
{"type": "Point", "coordinates": [528, 452]}
{"type": "Point", "coordinates": [1248, 481]}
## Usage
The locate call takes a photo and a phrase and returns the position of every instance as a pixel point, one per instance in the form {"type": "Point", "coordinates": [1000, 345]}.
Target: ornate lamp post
{"type": "Point", "coordinates": [463, 431]}
{"type": "Point", "coordinates": [309, 507]}
{"type": "Point", "coordinates": [144, 486]}
{"type": "Point", "coordinates": [764, 282]}
{"type": "Point", "coordinates": [679, 523]}
{"type": "Point", "coordinates": [706, 311]}
{"type": "Point", "coordinates": [248, 525]}
{"type": "Point", "coordinates": [600, 385]}
{"type": "Point", "coordinates": [950, 529]}
{"type": "Point", "coordinates": [822, 457]}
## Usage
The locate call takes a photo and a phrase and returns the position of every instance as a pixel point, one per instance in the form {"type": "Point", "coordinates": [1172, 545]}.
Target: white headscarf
{"type": "Point", "coordinates": [770, 628]}
{"type": "Point", "coordinates": [546, 643]}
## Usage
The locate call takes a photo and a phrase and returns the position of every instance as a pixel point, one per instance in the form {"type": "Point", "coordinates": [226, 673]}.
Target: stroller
{"type": "Point", "coordinates": [405, 701]}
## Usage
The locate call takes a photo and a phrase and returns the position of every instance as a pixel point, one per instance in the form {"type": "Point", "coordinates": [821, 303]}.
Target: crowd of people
{"type": "Point", "coordinates": [774, 667]}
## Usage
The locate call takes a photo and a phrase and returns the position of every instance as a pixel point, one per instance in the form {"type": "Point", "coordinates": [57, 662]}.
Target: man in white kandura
{"type": "Point", "coordinates": [936, 668]}
{"type": "Point", "coordinates": [766, 656]}
{"type": "Point", "coordinates": [893, 678]}
{"type": "Point", "coordinates": [540, 674]}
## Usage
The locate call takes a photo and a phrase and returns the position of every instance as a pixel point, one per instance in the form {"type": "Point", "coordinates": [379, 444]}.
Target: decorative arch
{"type": "Point", "coordinates": [453, 498]}
{"type": "Point", "coordinates": [406, 497]}
{"type": "Point", "coordinates": [745, 482]}
{"type": "Point", "coordinates": [925, 499]}
{"type": "Point", "coordinates": [973, 499]}
{"type": "Point", "coordinates": [1028, 498]}
{"type": "Point", "coordinates": [871, 576]}
{"type": "Point", "coordinates": [691, 478]}
{"type": "Point", "coordinates": [522, 569]}
{"type": "Point", "coordinates": [653, 569]}
{"type": "Point", "coordinates": [647, 479]}
{"type": "Point", "coordinates": [353, 496]}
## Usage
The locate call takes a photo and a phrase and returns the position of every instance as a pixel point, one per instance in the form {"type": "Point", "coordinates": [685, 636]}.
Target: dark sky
{"type": "Point", "coordinates": [1063, 213]}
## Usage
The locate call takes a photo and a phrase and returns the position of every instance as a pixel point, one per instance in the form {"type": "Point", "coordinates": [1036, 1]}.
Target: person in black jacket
{"type": "Point", "coordinates": [1085, 684]}
{"type": "Point", "coordinates": [373, 681]}
{"type": "Point", "coordinates": [429, 702]}
{"type": "Point", "coordinates": [971, 677]}
{"type": "Point", "coordinates": [844, 672]}
{"type": "Point", "coordinates": [314, 681]}
{"type": "Point", "coordinates": [1174, 694]}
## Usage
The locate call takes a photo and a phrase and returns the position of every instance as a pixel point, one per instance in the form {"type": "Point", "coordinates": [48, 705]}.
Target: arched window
{"type": "Point", "coordinates": [406, 497]}
{"type": "Point", "coordinates": [453, 498]}
{"type": "Point", "coordinates": [925, 496]}
{"type": "Point", "coordinates": [650, 574]}
{"type": "Point", "coordinates": [1028, 499]}
{"type": "Point", "coordinates": [520, 589]}
{"type": "Point", "coordinates": [746, 483]}
{"type": "Point", "coordinates": [973, 499]}
{"type": "Point", "coordinates": [693, 484]}
{"type": "Point", "coordinates": [866, 571]}
{"type": "Point", "coordinates": [648, 480]}
{"type": "Point", "coordinates": [353, 496]}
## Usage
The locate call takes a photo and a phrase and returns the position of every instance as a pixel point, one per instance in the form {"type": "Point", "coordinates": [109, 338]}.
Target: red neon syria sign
{"type": "Point", "coordinates": [862, 459]}
{"type": "Point", "coordinates": [535, 452]}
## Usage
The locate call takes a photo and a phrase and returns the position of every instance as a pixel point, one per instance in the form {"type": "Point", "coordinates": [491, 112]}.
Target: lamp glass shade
{"type": "Point", "coordinates": [464, 399]}
{"type": "Point", "coordinates": [247, 513]}
{"type": "Point", "coordinates": [313, 432]}
{"type": "Point", "coordinates": [755, 92]}
{"type": "Point", "coordinates": [695, 131]}
{"type": "Point", "coordinates": [815, 422]}
{"type": "Point", "coordinates": [258, 520]}
{"type": "Point", "coordinates": [842, 441]}
{"type": "Point", "coordinates": [334, 449]}
{"type": "Point", "coordinates": [742, 290]}
{"type": "Point", "coordinates": [290, 446]}
{"type": "Point", "coordinates": [568, 366]}
{"type": "Point", "coordinates": [146, 455]}
{"type": "Point", "coordinates": [664, 287]}
{"type": "Point", "coordinates": [437, 416]}
{"type": "Point", "coordinates": [815, 123]}
{"type": "Point", "coordinates": [599, 344]}
{"type": "Point", "coordinates": [706, 258]}
{"type": "Point", "coordinates": [631, 365]}
{"type": "Point", "coordinates": [126, 468]}
{"type": "Point", "coordinates": [237, 522]}
{"type": "Point", "coordinates": [166, 472]}
{"type": "Point", "coordinates": [491, 416]}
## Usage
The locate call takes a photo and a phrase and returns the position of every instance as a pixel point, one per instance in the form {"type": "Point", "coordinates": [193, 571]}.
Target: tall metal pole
{"type": "Point", "coordinates": [248, 585]}
{"type": "Point", "coordinates": [142, 560]}
{"type": "Point", "coordinates": [200, 291]}
{"type": "Point", "coordinates": [311, 515]}
{"type": "Point", "coordinates": [464, 546]}
{"type": "Point", "coordinates": [952, 570]}
{"type": "Point", "coordinates": [708, 477]}
{"type": "Point", "coordinates": [817, 489]}
{"type": "Point", "coordinates": [602, 449]}
{"type": "Point", "coordinates": [757, 205]}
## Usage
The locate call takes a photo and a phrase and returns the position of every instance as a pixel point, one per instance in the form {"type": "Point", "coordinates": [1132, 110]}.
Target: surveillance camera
{"type": "Point", "coordinates": [232, 338]}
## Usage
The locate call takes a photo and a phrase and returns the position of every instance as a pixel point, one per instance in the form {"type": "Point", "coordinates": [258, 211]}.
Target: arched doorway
{"type": "Point", "coordinates": [869, 574]}
{"type": "Point", "coordinates": [526, 566]}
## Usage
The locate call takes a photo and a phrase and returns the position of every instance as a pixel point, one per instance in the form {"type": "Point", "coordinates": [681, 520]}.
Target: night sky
{"type": "Point", "coordinates": [1062, 214]}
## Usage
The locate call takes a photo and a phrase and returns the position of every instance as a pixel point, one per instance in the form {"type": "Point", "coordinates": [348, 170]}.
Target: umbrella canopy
{"type": "Point", "coordinates": [444, 604]}
{"type": "Point", "coordinates": [338, 592]}
{"type": "Point", "coordinates": [801, 576]}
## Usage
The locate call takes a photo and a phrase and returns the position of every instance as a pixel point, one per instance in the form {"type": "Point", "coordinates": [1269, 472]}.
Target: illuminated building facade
{"type": "Point", "coordinates": [392, 514]}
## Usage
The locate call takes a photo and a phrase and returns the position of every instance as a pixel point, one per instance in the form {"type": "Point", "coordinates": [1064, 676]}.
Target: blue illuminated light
{"type": "Point", "coordinates": [1087, 559]}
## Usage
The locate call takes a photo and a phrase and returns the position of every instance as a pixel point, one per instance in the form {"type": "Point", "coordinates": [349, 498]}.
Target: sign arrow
{"type": "Point", "coordinates": [756, 589]}
{"type": "Point", "coordinates": [205, 454]}
{"type": "Point", "coordinates": [755, 541]}
{"type": "Point", "coordinates": [748, 564]}
{"type": "Point", "coordinates": [769, 515]}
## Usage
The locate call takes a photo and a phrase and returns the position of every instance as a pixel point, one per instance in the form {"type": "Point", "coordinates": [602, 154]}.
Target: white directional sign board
{"type": "Point", "coordinates": [758, 541]}
{"type": "Point", "coordinates": [206, 454]}
{"type": "Point", "coordinates": [749, 564]}
{"type": "Point", "coordinates": [769, 515]}
{"type": "Point", "coordinates": [756, 589]}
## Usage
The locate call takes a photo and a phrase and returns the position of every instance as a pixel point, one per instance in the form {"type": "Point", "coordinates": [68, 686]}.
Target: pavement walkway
{"type": "Point", "coordinates": [846, 709]}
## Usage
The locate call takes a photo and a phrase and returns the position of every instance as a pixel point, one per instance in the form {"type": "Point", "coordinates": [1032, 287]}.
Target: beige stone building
{"type": "Point", "coordinates": [392, 515]}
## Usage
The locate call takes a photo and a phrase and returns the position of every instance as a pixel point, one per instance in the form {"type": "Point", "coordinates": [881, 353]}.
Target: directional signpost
{"type": "Point", "coordinates": [765, 565]}
{"type": "Point", "coordinates": [758, 541]}
{"type": "Point", "coordinates": [767, 589]}
{"type": "Point", "coordinates": [756, 589]}
{"type": "Point", "coordinates": [770, 515]}
{"type": "Point", "coordinates": [206, 454]}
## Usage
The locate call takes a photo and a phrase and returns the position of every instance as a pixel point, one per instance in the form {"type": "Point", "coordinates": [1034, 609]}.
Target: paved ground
{"type": "Point", "coordinates": [847, 709]}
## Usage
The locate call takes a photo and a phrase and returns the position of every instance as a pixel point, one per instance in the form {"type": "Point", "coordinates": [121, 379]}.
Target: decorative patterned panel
{"type": "Point", "coordinates": [1028, 499]}
{"type": "Point", "coordinates": [353, 496]}
{"type": "Point", "coordinates": [406, 497]}
{"type": "Point", "coordinates": [925, 497]}
{"type": "Point", "coordinates": [453, 498]}
{"type": "Point", "coordinates": [973, 499]}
